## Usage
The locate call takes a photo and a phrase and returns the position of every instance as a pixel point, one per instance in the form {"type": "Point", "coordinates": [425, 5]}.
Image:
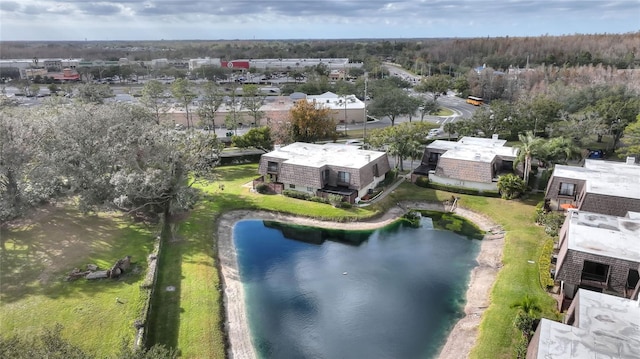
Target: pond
{"type": "Point", "coordinates": [391, 293]}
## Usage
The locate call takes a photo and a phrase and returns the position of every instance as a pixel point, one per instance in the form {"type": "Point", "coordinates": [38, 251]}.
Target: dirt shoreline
{"type": "Point", "coordinates": [464, 334]}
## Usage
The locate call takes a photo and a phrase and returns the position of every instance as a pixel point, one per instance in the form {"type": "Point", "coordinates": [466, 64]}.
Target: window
{"type": "Point", "coordinates": [272, 166]}
{"type": "Point", "coordinates": [325, 176]}
{"type": "Point", "coordinates": [292, 186]}
{"type": "Point", "coordinates": [344, 177]}
{"type": "Point", "coordinates": [309, 189]}
{"type": "Point", "coordinates": [594, 271]}
{"type": "Point", "coordinates": [376, 173]}
{"type": "Point", "coordinates": [567, 189]}
{"type": "Point", "coordinates": [632, 279]}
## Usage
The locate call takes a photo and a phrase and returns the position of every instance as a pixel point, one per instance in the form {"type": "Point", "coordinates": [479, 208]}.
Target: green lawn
{"type": "Point", "coordinates": [38, 254]}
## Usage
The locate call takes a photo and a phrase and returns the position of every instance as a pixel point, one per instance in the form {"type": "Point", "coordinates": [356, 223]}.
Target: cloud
{"type": "Point", "coordinates": [319, 18]}
{"type": "Point", "coordinates": [9, 6]}
{"type": "Point", "coordinates": [99, 9]}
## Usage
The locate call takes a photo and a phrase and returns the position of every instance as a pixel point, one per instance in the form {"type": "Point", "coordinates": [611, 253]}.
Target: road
{"type": "Point", "coordinates": [461, 109]}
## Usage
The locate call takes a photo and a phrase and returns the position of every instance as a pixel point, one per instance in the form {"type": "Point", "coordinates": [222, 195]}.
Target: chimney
{"type": "Point", "coordinates": [631, 160]}
{"type": "Point", "coordinates": [277, 147]}
{"type": "Point", "coordinates": [368, 158]}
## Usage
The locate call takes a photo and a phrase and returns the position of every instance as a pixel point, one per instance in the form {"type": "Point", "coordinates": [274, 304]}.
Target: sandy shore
{"type": "Point", "coordinates": [460, 340]}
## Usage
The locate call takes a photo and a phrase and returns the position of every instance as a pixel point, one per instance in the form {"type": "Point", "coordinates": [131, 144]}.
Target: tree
{"type": "Point", "coordinates": [25, 180]}
{"type": "Point", "coordinates": [619, 108]}
{"type": "Point", "coordinates": [91, 93]}
{"type": "Point", "coordinates": [392, 103]}
{"type": "Point", "coordinates": [310, 124]}
{"type": "Point", "coordinates": [234, 106]}
{"type": "Point", "coordinates": [511, 186]}
{"type": "Point", "coordinates": [536, 113]}
{"type": "Point", "coordinates": [451, 128]}
{"type": "Point", "coordinates": [212, 99]}
{"type": "Point", "coordinates": [528, 312]}
{"type": "Point", "coordinates": [436, 84]}
{"type": "Point", "coordinates": [559, 150]}
{"type": "Point", "coordinates": [34, 90]}
{"type": "Point", "coordinates": [154, 100]}
{"type": "Point", "coordinates": [252, 100]}
{"type": "Point", "coordinates": [257, 137]}
{"type": "Point", "coordinates": [157, 177]}
{"type": "Point", "coordinates": [428, 107]}
{"type": "Point", "coordinates": [580, 127]}
{"type": "Point", "coordinates": [402, 141]}
{"type": "Point", "coordinates": [529, 147]}
{"type": "Point", "coordinates": [461, 85]}
{"type": "Point", "coordinates": [182, 92]}
{"type": "Point", "coordinates": [53, 88]}
{"type": "Point", "coordinates": [631, 140]}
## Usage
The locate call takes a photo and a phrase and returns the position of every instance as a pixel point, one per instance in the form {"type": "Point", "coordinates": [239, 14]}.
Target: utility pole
{"type": "Point", "coordinates": [365, 107]}
{"type": "Point", "coordinates": [345, 115]}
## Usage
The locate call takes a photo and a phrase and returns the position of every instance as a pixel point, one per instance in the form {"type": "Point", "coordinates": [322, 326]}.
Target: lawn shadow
{"type": "Point", "coordinates": [38, 253]}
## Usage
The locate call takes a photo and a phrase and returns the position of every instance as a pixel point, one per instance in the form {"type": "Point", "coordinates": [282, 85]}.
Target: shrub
{"type": "Point", "coordinates": [334, 199]}
{"type": "Point", "coordinates": [263, 188]}
{"type": "Point", "coordinates": [544, 179]}
{"type": "Point", "coordinates": [389, 177]}
{"type": "Point", "coordinates": [422, 181]}
{"type": "Point", "coordinates": [344, 205]}
{"type": "Point", "coordinates": [511, 186]}
{"type": "Point", "coordinates": [544, 264]}
{"type": "Point", "coordinates": [540, 212]}
{"type": "Point", "coordinates": [413, 218]}
{"type": "Point", "coordinates": [552, 222]}
{"type": "Point", "coordinates": [296, 194]}
{"type": "Point", "coordinates": [462, 190]}
{"type": "Point", "coordinates": [318, 199]}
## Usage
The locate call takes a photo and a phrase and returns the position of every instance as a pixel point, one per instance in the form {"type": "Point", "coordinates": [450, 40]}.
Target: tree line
{"type": "Point", "coordinates": [439, 55]}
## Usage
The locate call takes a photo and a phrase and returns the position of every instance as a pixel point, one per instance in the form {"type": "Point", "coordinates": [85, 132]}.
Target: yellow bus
{"type": "Point", "coordinates": [476, 101]}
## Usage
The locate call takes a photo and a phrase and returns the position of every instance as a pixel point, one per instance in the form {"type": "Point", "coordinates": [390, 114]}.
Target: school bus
{"type": "Point", "coordinates": [476, 101]}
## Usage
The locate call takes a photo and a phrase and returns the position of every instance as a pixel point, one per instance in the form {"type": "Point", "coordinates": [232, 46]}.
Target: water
{"type": "Point", "coordinates": [393, 293]}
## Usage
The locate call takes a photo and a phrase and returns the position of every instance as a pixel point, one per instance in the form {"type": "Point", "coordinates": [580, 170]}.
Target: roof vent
{"type": "Point", "coordinates": [494, 136]}
{"type": "Point", "coordinates": [477, 156]}
{"type": "Point", "coordinates": [631, 160]}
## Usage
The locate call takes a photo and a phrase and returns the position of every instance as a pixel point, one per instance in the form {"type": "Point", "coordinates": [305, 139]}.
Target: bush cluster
{"type": "Point", "coordinates": [296, 194]}
{"type": "Point", "coordinates": [544, 264]}
{"type": "Point", "coordinates": [333, 199]}
{"type": "Point", "coordinates": [263, 188]}
{"type": "Point", "coordinates": [389, 178]}
{"type": "Point", "coordinates": [461, 190]}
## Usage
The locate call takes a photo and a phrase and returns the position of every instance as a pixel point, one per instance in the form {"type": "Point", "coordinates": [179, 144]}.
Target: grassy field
{"type": "Point", "coordinates": [190, 318]}
{"type": "Point", "coordinates": [35, 259]}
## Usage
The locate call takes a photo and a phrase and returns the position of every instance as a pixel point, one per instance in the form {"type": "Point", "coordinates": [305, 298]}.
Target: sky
{"type": "Point", "coordinates": [81, 20]}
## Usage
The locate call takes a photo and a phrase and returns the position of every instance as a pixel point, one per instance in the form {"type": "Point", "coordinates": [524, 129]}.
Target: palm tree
{"type": "Point", "coordinates": [528, 305]}
{"type": "Point", "coordinates": [530, 146]}
{"type": "Point", "coordinates": [561, 150]}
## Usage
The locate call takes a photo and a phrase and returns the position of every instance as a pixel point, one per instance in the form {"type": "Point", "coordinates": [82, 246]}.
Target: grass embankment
{"type": "Point", "coordinates": [191, 317]}
{"type": "Point", "coordinates": [38, 254]}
